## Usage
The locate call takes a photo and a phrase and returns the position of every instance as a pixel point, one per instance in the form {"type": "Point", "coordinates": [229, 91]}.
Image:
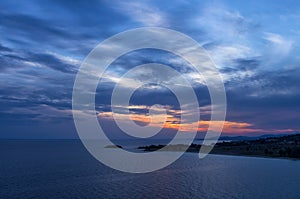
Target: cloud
{"type": "Point", "coordinates": [224, 25]}
{"type": "Point", "coordinates": [279, 45]}
{"type": "Point", "coordinates": [30, 27]}
{"type": "Point", "coordinates": [223, 55]}
{"type": "Point", "coordinates": [144, 13]}
{"type": "Point", "coordinates": [23, 59]}
{"type": "Point", "coordinates": [4, 49]}
{"type": "Point", "coordinates": [268, 100]}
{"type": "Point", "coordinates": [43, 43]}
{"type": "Point", "coordinates": [173, 122]}
{"type": "Point", "coordinates": [53, 62]}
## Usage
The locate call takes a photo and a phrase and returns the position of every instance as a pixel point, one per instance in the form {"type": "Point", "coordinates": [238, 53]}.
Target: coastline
{"type": "Point", "coordinates": [254, 156]}
{"type": "Point", "coordinates": [284, 147]}
{"type": "Point", "coordinates": [232, 154]}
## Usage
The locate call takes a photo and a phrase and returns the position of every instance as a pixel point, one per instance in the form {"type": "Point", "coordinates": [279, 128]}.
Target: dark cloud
{"type": "Point", "coordinates": [4, 49]}
{"type": "Point", "coordinates": [144, 56]}
{"type": "Point", "coordinates": [52, 62]}
{"type": "Point", "coordinates": [21, 97]}
{"type": "Point", "coordinates": [75, 27]}
{"type": "Point", "coordinates": [267, 99]}
{"type": "Point", "coordinates": [11, 61]}
{"type": "Point", "coordinates": [22, 59]}
{"type": "Point", "coordinates": [249, 64]}
{"type": "Point", "coordinates": [31, 27]}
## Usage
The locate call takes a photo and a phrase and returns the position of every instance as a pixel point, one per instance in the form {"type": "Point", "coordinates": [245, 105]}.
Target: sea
{"type": "Point", "coordinates": [65, 169]}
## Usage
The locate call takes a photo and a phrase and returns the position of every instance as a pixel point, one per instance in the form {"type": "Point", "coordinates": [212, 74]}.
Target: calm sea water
{"type": "Point", "coordinates": [64, 169]}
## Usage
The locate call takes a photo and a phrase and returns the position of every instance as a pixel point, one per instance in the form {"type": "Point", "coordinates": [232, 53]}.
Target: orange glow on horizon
{"type": "Point", "coordinates": [172, 122]}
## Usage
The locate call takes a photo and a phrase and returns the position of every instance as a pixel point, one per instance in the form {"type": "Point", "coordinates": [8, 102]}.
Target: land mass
{"type": "Point", "coordinates": [276, 147]}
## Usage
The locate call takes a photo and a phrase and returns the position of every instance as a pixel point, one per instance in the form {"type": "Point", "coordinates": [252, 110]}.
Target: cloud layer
{"type": "Point", "coordinates": [254, 45]}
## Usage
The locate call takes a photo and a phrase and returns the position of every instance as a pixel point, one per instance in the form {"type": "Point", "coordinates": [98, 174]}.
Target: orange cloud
{"type": "Point", "coordinates": [172, 122]}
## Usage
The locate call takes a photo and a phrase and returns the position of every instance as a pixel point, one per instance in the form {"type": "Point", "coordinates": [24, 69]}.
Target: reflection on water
{"type": "Point", "coordinates": [52, 169]}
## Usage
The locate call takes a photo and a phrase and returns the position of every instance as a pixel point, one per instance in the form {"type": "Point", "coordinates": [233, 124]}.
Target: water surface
{"type": "Point", "coordinates": [64, 169]}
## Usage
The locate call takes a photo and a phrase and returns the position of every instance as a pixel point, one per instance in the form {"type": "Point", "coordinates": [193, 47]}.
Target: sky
{"type": "Point", "coordinates": [255, 46]}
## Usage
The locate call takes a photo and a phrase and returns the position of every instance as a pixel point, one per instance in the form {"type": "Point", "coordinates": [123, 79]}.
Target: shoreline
{"type": "Point", "coordinates": [284, 147]}
{"type": "Point", "coordinates": [254, 156]}
{"type": "Point", "coordinates": [229, 154]}
{"type": "Point", "coordinates": [223, 154]}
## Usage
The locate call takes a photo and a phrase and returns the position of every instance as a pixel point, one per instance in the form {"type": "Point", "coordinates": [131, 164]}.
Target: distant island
{"type": "Point", "coordinates": [113, 146]}
{"type": "Point", "coordinates": [276, 147]}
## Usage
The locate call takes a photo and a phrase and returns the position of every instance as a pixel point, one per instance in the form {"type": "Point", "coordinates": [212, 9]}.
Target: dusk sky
{"type": "Point", "coordinates": [254, 44]}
